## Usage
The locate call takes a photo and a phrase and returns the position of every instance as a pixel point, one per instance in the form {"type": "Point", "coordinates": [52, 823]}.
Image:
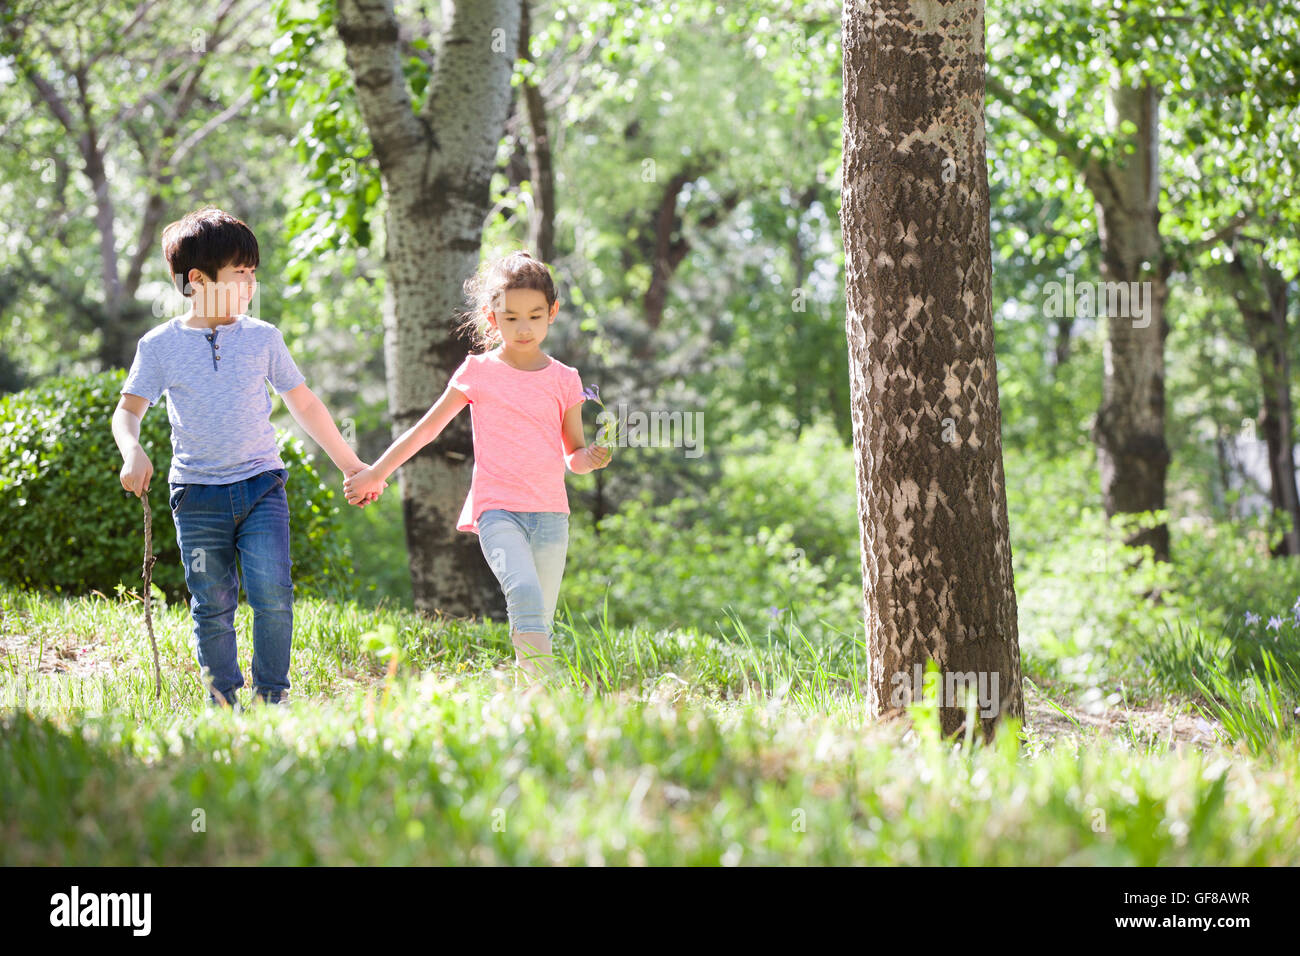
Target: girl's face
{"type": "Point", "coordinates": [523, 318]}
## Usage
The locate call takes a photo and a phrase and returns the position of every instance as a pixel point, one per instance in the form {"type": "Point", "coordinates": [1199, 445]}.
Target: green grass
{"type": "Point", "coordinates": [407, 742]}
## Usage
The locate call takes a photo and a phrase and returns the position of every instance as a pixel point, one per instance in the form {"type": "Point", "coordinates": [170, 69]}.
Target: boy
{"type": "Point", "coordinates": [227, 478]}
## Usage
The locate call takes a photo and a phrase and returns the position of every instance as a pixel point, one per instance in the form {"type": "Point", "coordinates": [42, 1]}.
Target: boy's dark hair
{"type": "Point", "coordinates": [208, 240]}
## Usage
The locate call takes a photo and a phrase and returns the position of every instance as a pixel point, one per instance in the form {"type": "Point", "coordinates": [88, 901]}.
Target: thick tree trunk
{"type": "Point", "coordinates": [436, 167]}
{"type": "Point", "coordinates": [1129, 430]}
{"type": "Point", "coordinates": [936, 557]}
{"type": "Point", "coordinates": [1260, 294]}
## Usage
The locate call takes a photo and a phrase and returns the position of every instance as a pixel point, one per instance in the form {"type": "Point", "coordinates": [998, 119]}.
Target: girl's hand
{"type": "Point", "coordinates": [363, 487]}
{"type": "Point", "coordinates": [598, 456]}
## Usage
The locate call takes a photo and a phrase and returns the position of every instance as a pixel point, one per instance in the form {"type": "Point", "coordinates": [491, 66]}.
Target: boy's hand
{"type": "Point", "coordinates": [598, 456]}
{"type": "Point", "coordinates": [362, 486]}
{"type": "Point", "coordinates": [137, 472]}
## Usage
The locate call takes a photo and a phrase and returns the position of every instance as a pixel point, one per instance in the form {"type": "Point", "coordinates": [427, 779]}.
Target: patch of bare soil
{"type": "Point", "coordinates": [63, 653]}
{"type": "Point", "coordinates": [1167, 724]}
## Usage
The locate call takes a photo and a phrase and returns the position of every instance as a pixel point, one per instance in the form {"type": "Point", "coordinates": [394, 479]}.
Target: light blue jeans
{"type": "Point", "coordinates": [526, 551]}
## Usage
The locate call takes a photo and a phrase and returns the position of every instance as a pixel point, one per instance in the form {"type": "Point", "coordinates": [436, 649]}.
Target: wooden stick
{"type": "Point", "coordinates": [147, 574]}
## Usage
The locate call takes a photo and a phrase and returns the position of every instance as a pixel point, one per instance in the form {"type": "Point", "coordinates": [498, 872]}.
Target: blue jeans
{"type": "Point", "coordinates": [526, 551]}
{"type": "Point", "coordinates": [215, 524]}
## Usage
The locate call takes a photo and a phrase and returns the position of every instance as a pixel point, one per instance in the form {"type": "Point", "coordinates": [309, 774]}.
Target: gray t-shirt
{"type": "Point", "coordinates": [217, 400]}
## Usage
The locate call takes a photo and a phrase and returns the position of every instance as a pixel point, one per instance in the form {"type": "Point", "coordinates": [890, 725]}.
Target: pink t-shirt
{"type": "Point", "coordinates": [518, 421]}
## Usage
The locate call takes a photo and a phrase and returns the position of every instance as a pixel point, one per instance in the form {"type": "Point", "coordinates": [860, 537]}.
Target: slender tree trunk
{"type": "Point", "coordinates": [1064, 327]}
{"type": "Point", "coordinates": [1129, 430]}
{"type": "Point", "coordinates": [1225, 472]}
{"type": "Point", "coordinates": [936, 557]}
{"type": "Point", "coordinates": [1260, 294]}
{"type": "Point", "coordinates": [436, 166]}
{"type": "Point", "coordinates": [541, 224]}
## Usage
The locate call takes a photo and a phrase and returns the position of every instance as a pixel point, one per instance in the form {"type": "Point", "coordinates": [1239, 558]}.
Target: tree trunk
{"type": "Point", "coordinates": [436, 166]}
{"type": "Point", "coordinates": [1260, 293]}
{"type": "Point", "coordinates": [936, 557]}
{"type": "Point", "coordinates": [541, 224]}
{"type": "Point", "coordinates": [1225, 473]}
{"type": "Point", "coordinates": [1064, 327]}
{"type": "Point", "coordinates": [1129, 430]}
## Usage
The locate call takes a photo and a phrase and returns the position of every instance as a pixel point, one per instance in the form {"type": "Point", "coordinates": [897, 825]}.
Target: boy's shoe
{"type": "Point", "coordinates": [231, 703]}
{"type": "Point", "coordinates": [280, 697]}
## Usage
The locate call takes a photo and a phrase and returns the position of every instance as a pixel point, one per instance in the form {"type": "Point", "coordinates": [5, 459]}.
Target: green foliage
{"type": "Point", "coordinates": [777, 534]}
{"type": "Point", "coordinates": [1242, 665]}
{"type": "Point", "coordinates": [69, 526]}
{"type": "Point", "coordinates": [1259, 710]}
{"type": "Point", "coordinates": [93, 769]}
{"type": "Point", "coordinates": [1246, 682]}
{"type": "Point", "coordinates": [1219, 628]}
{"type": "Point", "coordinates": [335, 206]}
{"type": "Point", "coordinates": [376, 535]}
{"type": "Point", "coordinates": [148, 87]}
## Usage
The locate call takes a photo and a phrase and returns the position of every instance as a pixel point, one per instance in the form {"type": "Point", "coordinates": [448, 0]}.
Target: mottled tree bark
{"type": "Point", "coordinates": [436, 167]}
{"type": "Point", "coordinates": [936, 557]}
{"type": "Point", "coordinates": [1129, 430]}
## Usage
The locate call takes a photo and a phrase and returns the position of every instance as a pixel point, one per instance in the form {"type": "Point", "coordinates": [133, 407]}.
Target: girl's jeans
{"type": "Point", "coordinates": [248, 520]}
{"type": "Point", "coordinates": [526, 551]}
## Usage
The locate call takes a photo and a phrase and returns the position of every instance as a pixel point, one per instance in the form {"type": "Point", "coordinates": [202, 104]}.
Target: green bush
{"type": "Point", "coordinates": [69, 526]}
{"type": "Point", "coordinates": [376, 537]}
{"type": "Point", "coordinates": [776, 536]}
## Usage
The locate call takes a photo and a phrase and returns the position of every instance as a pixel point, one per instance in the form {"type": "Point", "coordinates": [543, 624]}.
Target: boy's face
{"type": "Point", "coordinates": [227, 295]}
{"type": "Point", "coordinates": [523, 318]}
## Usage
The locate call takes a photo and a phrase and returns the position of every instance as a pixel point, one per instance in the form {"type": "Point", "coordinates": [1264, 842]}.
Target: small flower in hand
{"type": "Point", "coordinates": [608, 435]}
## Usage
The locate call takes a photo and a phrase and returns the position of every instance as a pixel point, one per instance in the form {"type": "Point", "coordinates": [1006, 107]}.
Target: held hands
{"type": "Point", "coordinates": [362, 486]}
{"type": "Point", "coordinates": [137, 472]}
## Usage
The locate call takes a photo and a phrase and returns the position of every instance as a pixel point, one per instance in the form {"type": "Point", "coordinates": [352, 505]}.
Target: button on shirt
{"type": "Point", "coordinates": [217, 400]}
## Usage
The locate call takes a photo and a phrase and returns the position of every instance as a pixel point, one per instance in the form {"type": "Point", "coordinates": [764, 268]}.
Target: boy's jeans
{"type": "Point", "coordinates": [526, 551]}
{"type": "Point", "coordinates": [215, 524]}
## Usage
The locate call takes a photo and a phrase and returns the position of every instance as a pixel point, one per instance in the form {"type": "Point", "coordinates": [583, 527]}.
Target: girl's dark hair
{"type": "Point", "coordinates": [208, 240]}
{"type": "Point", "coordinates": [485, 289]}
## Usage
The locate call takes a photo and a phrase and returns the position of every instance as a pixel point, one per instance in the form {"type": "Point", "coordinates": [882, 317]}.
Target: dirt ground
{"type": "Point", "coordinates": [1146, 725]}
{"type": "Point", "coordinates": [76, 655]}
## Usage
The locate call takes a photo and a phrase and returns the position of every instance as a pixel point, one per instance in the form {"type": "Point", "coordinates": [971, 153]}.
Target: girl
{"type": "Point", "coordinates": [526, 413]}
